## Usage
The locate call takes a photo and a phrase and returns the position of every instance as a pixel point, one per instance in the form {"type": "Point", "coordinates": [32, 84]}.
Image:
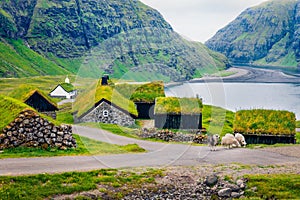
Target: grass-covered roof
{"type": "Point", "coordinates": [261, 121]}
{"type": "Point", "coordinates": [23, 92]}
{"type": "Point", "coordinates": [10, 109]}
{"type": "Point", "coordinates": [95, 93]}
{"type": "Point", "coordinates": [142, 92]}
{"type": "Point", "coordinates": [174, 105]}
{"type": "Point", "coordinates": [67, 86]}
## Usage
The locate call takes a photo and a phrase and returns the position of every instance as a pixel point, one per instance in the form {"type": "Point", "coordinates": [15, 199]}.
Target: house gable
{"type": "Point", "coordinates": [58, 92]}
{"type": "Point", "coordinates": [105, 111]}
{"type": "Point", "coordinates": [38, 102]}
{"type": "Point", "coordinates": [89, 98]}
{"type": "Point", "coordinates": [34, 98]}
{"type": "Point", "coordinates": [63, 91]}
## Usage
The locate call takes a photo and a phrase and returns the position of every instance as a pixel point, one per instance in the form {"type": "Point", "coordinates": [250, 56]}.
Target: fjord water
{"type": "Point", "coordinates": [237, 96]}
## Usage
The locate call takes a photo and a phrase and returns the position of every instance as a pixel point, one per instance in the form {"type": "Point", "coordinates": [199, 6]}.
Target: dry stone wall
{"type": "Point", "coordinates": [31, 130]}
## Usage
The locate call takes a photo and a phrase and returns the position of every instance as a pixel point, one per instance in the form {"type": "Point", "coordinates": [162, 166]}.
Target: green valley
{"type": "Point", "coordinates": [89, 38]}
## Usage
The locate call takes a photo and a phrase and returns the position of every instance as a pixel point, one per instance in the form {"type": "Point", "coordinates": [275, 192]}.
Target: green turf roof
{"type": "Point", "coordinates": [67, 86]}
{"type": "Point", "coordinates": [94, 94]}
{"type": "Point", "coordinates": [262, 121]}
{"type": "Point", "coordinates": [23, 92]}
{"type": "Point", "coordinates": [142, 92]}
{"type": "Point", "coordinates": [174, 105]}
{"type": "Point", "coordinates": [10, 109]}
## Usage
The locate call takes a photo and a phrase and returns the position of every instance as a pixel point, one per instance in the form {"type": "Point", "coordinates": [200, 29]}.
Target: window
{"type": "Point", "coordinates": [105, 113]}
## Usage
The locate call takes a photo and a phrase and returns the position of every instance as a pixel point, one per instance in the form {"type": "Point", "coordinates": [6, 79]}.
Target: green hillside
{"type": "Point", "coordinates": [124, 38]}
{"type": "Point", "coordinates": [267, 34]}
{"type": "Point", "coordinates": [17, 60]}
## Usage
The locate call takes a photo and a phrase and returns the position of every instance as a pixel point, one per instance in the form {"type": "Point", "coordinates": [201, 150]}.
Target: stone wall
{"type": "Point", "coordinates": [169, 136]}
{"type": "Point", "coordinates": [31, 130]}
{"type": "Point", "coordinates": [114, 115]}
{"type": "Point", "coordinates": [51, 114]}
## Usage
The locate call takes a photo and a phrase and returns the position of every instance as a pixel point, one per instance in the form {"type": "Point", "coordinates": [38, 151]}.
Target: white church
{"type": "Point", "coordinates": [64, 90]}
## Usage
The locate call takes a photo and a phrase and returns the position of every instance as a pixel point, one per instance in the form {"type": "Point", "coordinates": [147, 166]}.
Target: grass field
{"type": "Point", "coordinates": [108, 181]}
{"type": "Point", "coordinates": [279, 186]}
{"type": "Point", "coordinates": [217, 120]}
{"type": "Point", "coordinates": [43, 186]}
{"type": "Point", "coordinates": [44, 83]}
{"type": "Point", "coordinates": [64, 115]}
{"type": "Point", "coordinates": [86, 146]}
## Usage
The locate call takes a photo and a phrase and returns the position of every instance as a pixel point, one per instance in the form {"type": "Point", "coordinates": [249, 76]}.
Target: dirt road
{"type": "Point", "coordinates": [159, 154]}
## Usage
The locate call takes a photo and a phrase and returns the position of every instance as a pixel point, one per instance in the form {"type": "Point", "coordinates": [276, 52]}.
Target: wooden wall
{"type": "Point", "coordinates": [170, 121]}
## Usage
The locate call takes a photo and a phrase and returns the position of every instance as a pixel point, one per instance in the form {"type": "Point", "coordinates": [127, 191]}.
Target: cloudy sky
{"type": "Point", "coordinates": [200, 19]}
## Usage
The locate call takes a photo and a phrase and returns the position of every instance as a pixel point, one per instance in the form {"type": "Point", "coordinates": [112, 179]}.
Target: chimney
{"type": "Point", "coordinates": [104, 80]}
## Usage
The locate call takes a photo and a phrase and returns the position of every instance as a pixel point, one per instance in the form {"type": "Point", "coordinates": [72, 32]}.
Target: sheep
{"type": "Point", "coordinates": [230, 141]}
{"type": "Point", "coordinates": [241, 139]}
{"type": "Point", "coordinates": [212, 141]}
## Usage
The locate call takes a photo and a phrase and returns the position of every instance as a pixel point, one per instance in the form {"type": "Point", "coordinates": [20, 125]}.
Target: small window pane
{"type": "Point", "coordinates": [105, 113]}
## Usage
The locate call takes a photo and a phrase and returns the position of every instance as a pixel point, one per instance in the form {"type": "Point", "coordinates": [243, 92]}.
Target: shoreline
{"type": "Point", "coordinates": [250, 75]}
{"type": "Point", "coordinates": [244, 75]}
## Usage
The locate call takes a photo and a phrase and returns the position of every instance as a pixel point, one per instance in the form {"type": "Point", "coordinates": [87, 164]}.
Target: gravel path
{"type": "Point", "coordinates": [293, 151]}
{"type": "Point", "coordinates": [158, 155]}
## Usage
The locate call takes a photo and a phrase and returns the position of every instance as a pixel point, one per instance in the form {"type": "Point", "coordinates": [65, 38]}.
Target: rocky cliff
{"type": "Point", "coordinates": [267, 34]}
{"type": "Point", "coordinates": [68, 32]}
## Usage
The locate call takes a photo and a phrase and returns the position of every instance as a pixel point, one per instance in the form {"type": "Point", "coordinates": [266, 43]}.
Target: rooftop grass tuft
{"type": "Point", "coordinates": [174, 105]}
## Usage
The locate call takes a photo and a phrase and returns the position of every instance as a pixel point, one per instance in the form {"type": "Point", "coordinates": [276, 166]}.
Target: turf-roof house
{"type": "Point", "coordinates": [178, 113]}
{"type": "Point", "coordinates": [22, 125]}
{"type": "Point", "coordinates": [35, 98]}
{"type": "Point", "coordinates": [64, 90]}
{"type": "Point", "coordinates": [262, 126]}
{"type": "Point", "coordinates": [143, 95]}
{"type": "Point", "coordinates": [105, 105]}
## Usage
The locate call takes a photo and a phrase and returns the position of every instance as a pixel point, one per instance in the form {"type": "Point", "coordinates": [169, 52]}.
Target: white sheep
{"type": "Point", "coordinates": [212, 141]}
{"type": "Point", "coordinates": [241, 139]}
{"type": "Point", "coordinates": [230, 141]}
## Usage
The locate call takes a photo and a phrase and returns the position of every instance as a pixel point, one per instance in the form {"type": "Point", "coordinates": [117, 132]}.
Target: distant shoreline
{"type": "Point", "coordinates": [244, 75]}
{"type": "Point", "coordinates": [251, 75]}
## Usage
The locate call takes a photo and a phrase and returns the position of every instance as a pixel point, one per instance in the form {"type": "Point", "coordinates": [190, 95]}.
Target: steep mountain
{"type": "Point", "coordinates": [268, 34]}
{"type": "Point", "coordinates": [91, 37]}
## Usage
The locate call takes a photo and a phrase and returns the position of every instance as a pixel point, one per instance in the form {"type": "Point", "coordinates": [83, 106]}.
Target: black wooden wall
{"type": "Point", "coordinates": [170, 121]}
{"type": "Point", "coordinates": [39, 103]}
{"type": "Point", "coordinates": [145, 110]}
{"type": "Point", "coordinates": [269, 139]}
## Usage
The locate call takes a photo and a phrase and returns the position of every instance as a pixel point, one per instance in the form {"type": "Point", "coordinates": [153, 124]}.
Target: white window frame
{"type": "Point", "coordinates": [105, 113]}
